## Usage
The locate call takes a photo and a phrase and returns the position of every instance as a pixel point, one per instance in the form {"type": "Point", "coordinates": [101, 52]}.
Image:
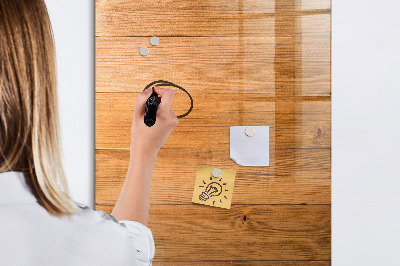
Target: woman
{"type": "Point", "coordinates": [40, 224]}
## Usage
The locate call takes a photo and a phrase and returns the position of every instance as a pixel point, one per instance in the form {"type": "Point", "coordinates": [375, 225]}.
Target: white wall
{"type": "Point", "coordinates": [73, 26]}
{"type": "Point", "coordinates": [366, 132]}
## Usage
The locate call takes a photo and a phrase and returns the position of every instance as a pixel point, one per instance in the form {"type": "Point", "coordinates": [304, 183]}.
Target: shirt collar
{"type": "Point", "coordinates": [13, 188]}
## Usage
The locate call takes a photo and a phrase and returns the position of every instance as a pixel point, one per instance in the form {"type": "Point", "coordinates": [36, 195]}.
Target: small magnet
{"type": "Point", "coordinates": [154, 41]}
{"type": "Point", "coordinates": [216, 173]}
{"type": "Point", "coordinates": [143, 51]}
{"type": "Point", "coordinates": [249, 131]}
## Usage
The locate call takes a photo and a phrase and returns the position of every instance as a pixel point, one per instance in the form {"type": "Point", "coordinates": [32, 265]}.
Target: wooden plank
{"type": "Point", "coordinates": [208, 123]}
{"type": "Point", "coordinates": [203, 6]}
{"type": "Point", "coordinates": [206, 65]}
{"type": "Point", "coordinates": [304, 180]}
{"type": "Point", "coordinates": [257, 232]}
{"type": "Point", "coordinates": [220, 6]}
{"type": "Point", "coordinates": [193, 18]}
{"type": "Point", "coordinates": [244, 262]}
{"type": "Point", "coordinates": [203, 65]}
{"type": "Point", "coordinates": [303, 124]}
{"type": "Point", "coordinates": [312, 4]}
{"type": "Point", "coordinates": [313, 55]}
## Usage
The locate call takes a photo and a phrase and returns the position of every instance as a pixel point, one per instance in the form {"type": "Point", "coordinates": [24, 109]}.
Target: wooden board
{"type": "Point", "coordinates": [209, 121]}
{"type": "Point", "coordinates": [173, 178]}
{"type": "Point", "coordinates": [245, 62]}
{"type": "Point", "coordinates": [198, 18]}
{"type": "Point", "coordinates": [243, 262]}
{"type": "Point", "coordinates": [217, 65]}
{"type": "Point", "coordinates": [245, 232]}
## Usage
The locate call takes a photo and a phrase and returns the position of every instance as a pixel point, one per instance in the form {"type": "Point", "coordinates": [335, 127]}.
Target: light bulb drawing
{"type": "Point", "coordinates": [213, 189]}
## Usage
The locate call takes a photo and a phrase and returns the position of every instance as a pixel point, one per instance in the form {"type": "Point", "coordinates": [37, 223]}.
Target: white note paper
{"type": "Point", "coordinates": [250, 151]}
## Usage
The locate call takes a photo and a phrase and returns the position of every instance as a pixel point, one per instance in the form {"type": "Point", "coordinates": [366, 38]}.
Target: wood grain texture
{"type": "Point", "coordinates": [209, 61]}
{"type": "Point", "coordinates": [245, 62]}
{"type": "Point", "coordinates": [244, 262]}
{"type": "Point", "coordinates": [211, 117]}
{"type": "Point", "coordinates": [282, 232]}
{"type": "Point", "coordinates": [175, 172]}
{"type": "Point", "coordinates": [225, 65]}
{"type": "Point", "coordinates": [198, 18]}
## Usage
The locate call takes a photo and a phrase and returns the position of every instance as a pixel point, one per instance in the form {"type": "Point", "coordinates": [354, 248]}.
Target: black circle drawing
{"type": "Point", "coordinates": [165, 83]}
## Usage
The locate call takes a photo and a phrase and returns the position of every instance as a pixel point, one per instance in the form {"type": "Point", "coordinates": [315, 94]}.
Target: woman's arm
{"type": "Point", "coordinates": [134, 201]}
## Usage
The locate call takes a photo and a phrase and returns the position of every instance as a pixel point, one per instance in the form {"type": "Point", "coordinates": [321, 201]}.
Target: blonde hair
{"type": "Point", "coordinates": [29, 119]}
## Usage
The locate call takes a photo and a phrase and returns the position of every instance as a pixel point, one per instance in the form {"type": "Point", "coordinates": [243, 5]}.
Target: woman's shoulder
{"type": "Point", "coordinates": [138, 235]}
{"type": "Point", "coordinates": [87, 212]}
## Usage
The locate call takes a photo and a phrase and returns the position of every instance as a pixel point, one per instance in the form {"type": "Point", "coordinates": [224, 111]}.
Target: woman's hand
{"type": "Point", "coordinates": [146, 139]}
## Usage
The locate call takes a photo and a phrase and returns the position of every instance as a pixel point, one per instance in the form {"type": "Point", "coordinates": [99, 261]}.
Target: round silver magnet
{"type": "Point", "coordinates": [143, 51]}
{"type": "Point", "coordinates": [249, 131]}
{"type": "Point", "coordinates": [154, 41]}
{"type": "Point", "coordinates": [216, 172]}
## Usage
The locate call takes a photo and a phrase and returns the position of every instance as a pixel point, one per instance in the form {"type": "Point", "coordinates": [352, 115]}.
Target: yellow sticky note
{"type": "Point", "coordinates": [216, 192]}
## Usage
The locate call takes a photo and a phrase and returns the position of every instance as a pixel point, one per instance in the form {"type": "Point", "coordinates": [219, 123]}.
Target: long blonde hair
{"type": "Point", "coordinates": [29, 118]}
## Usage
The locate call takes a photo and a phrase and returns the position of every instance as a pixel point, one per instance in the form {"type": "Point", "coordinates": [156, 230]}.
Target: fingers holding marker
{"type": "Point", "coordinates": [167, 95]}
{"type": "Point", "coordinates": [141, 102]}
{"type": "Point", "coordinates": [164, 101]}
{"type": "Point", "coordinates": [165, 107]}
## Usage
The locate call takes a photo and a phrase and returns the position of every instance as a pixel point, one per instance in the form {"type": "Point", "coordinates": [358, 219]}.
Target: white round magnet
{"type": "Point", "coordinates": [249, 131]}
{"type": "Point", "coordinates": [143, 51]}
{"type": "Point", "coordinates": [154, 41]}
{"type": "Point", "coordinates": [216, 172]}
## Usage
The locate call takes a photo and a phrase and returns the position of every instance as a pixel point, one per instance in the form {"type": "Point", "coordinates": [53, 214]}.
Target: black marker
{"type": "Point", "coordinates": [151, 109]}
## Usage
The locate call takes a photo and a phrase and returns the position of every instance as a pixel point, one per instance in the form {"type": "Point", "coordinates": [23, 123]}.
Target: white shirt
{"type": "Point", "coordinates": [29, 235]}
